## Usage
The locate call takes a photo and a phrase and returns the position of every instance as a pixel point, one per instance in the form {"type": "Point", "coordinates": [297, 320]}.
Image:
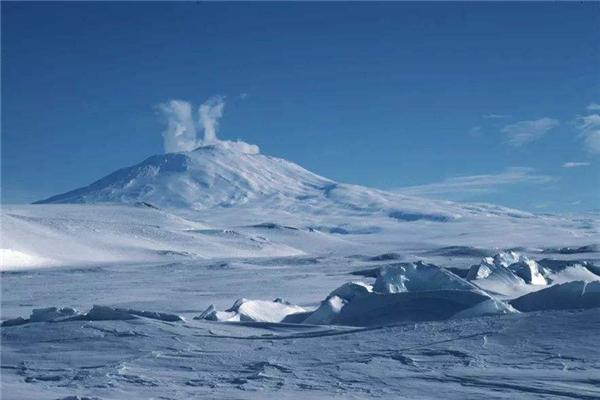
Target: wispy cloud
{"type": "Point", "coordinates": [524, 132]}
{"type": "Point", "coordinates": [495, 116]}
{"type": "Point", "coordinates": [589, 126]}
{"type": "Point", "coordinates": [470, 185]}
{"type": "Point", "coordinates": [593, 107]}
{"type": "Point", "coordinates": [575, 164]}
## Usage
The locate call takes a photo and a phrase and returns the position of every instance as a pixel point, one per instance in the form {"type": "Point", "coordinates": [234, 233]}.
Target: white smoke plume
{"type": "Point", "coordinates": [181, 131]}
{"type": "Point", "coordinates": [210, 112]}
{"type": "Point", "coordinates": [180, 134]}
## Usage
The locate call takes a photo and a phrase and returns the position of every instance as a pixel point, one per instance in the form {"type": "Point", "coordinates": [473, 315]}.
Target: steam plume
{"type": "Point", "coordinates": [210, 112]}
{"type": "Point", "coordinates": [181, 131]}
{"type": "Point", "coordinates": [180, 134]}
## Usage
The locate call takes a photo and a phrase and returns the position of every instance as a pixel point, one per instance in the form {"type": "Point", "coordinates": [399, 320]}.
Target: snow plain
{"type": "Point", "coordinates": [134, 266]}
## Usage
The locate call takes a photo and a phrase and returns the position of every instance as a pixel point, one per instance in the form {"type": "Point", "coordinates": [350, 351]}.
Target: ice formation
{"type": "Point", "coordinates": [402, 292]}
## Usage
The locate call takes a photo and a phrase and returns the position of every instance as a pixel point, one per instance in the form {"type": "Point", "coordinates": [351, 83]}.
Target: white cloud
{"type": "Point", "coordinates": [495, 116]}
{"type": "Point", "coordinates": [475, 131]}
{"type": "Point", "coordinates": [523, 132]}
{"type": "Point", "coordinates": [575, 164]}
{"type": "Point", "coordinates": [593, 107]}
{"type": "Point", "coordinates": [589, 125]}
{"type": "Point", "coordinates": [470, 185]}
{"type": "Point", "coordinates": [210, 112]}
{"type": "Point", "coordinates": [180, 133]}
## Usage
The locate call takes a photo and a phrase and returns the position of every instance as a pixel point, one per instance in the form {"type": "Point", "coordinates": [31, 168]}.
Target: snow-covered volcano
{"type": "Point", "coordinates": [227, 200]}
{"type": "Point", "coordinates": [225, 176]}
{"type": "Point", "coordinates": [209, 176]}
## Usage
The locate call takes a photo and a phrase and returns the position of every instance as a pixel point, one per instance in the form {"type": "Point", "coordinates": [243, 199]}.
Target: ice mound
{"type": "Point", "coordinates": [49, 314]}
{"type": "Point", "coordinates": [330, 308]}
{"type": "Point", "coordinates": [328, 311]}
{"type": "Point", "coordinates": [571, 295]}
{"type": "Point", "coordinates": [415, 292]}
{"type": "Point", "coordinates": [402, 292]}
{"type": "Point", "coordinates": [574, 272]}
{"type": "Point", "coordinates": [520, 265]}
{"type": "Point", "coordinates": [559, 270]}
{"type": "Point", "coordinates": [506, 258]}
{"type": "Point", "coordinates": [384, 308]}
{"type": "Point", "coordinates": [411, 277]}
{"type": "Point", "coordinates": [104, 313]}
{"type": "Point", "coordinates": [352, 289]}
{"type": "Point", "coordinates": [529, 271]}
{"type": "Point", "coordinates": [487, 307]}
{"type": "Point", "coordinates": [507, 273]}
{"type": "Point", "coordinates": [97, 313]}
{"type": "Point", "coordinates": [246, 310]}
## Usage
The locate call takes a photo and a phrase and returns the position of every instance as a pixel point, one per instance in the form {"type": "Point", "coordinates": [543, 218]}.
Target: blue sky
{"type": "Point", "coordinates": [466, 101]}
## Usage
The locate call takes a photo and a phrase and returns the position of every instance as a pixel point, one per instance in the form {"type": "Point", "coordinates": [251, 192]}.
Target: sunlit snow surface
{"type": "Point", "coordinates": [209, 227]}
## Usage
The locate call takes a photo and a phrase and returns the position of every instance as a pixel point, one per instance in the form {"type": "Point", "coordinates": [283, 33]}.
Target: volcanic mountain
{"type": "Point", "coordinates": [227, 200]}
{"type": "Point", "coordinates": [224, 176]}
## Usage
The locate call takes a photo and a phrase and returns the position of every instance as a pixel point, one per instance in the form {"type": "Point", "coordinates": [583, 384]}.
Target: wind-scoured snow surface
{"type": "Point", "coordinates": [225, 273]}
